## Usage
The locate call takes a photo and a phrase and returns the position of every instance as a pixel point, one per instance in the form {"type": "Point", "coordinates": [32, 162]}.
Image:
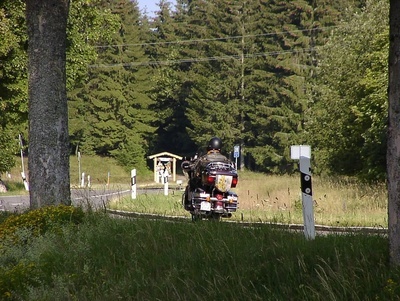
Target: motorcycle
{"type": "Point", "coordinates": [207, 194]}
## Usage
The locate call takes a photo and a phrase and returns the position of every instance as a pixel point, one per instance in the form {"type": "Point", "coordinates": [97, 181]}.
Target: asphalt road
{"type": "Point", "coordinates": [85, 197]}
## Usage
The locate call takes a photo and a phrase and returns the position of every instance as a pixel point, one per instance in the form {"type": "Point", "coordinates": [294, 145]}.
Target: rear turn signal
{"type": "Point", "coordinates": [234, 182]}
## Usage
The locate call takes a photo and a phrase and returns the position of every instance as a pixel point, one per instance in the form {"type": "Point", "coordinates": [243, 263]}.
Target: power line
{"type": "Point", "coordinates": [217, 39]}
{"type": "Point", "coordinates": [205, 59]}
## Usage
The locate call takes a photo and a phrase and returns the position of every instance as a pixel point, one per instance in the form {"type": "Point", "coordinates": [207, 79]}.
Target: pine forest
{"type": "Point", "coordinates": [262, 74]}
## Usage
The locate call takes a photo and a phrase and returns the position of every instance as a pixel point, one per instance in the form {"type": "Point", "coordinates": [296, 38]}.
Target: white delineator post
{"type": "Point", "coordinates": [303, 153]}
{"type": "Point", "coordinates": [26, 185]}
{"type": "Point", "coordinates": [79, 168]}
{"type": "Point", "coordinates": [133, 184]}
{"type": "Point", "coordinates": [165, 177]}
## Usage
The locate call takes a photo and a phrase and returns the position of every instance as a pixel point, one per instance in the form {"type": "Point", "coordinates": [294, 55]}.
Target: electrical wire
{"type": "Point", "coordinates": [196, 60]}
{"type": "Point", "coordinates": [218, 39]}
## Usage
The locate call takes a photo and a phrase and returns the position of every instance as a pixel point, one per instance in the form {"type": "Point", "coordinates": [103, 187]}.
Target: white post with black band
{"type": "Point", "coordinates": [303, 153]}
{"type": "Point", "coordinates": [133, 184]}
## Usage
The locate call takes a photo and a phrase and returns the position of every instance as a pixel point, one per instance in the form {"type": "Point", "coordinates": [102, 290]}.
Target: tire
{"type": "Point", "coordinates": [195, 217]}
{"type": "Point", "coordinates": [215, 217]}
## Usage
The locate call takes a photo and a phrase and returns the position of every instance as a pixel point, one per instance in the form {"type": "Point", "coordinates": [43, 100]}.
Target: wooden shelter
{"type": "Point", "coordinates": [161, 162]}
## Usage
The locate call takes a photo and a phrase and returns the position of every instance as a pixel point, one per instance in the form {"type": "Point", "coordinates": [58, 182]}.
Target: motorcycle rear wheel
{"type": "Point", "coordinates": [212, 217]}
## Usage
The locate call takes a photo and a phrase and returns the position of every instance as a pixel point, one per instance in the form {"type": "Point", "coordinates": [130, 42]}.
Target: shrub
{"type": "Point", "coordinates": [16, 278]}
{"type": "Point", "coordinates": [40, 220]}
{"type": "Point", "coordinates": [16, 232]}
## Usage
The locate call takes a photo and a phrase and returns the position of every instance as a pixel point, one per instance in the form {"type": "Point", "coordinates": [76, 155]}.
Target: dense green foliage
{"type": "Point", "coordinates": [261, 74]}
{"type": "Point", "coordinates": [40, 221]}
{"type": "Point", "coordinates": [109, 99]}
{"type": "Point", "coordinates": [351, 104]}
{"type": "Point", "coordinates": [107, 259]}
{"type": "Point", "coordinates": [87, 24]}
{"type": "Point", "coordinates": [20, 230]}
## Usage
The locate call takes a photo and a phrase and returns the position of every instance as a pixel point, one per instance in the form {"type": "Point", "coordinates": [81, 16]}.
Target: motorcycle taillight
{"type": "Point", "coordinates": [218, 205]}
{"type": "Point", "coordinates": [210, 180]}
{"type": "Point", "coordinates": [234, 182]}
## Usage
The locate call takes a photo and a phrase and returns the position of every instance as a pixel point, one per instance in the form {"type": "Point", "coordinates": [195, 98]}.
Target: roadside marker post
{"type": "Point", "coordinates": [166, 174]}
{"type": "Point", "coordinates": [26, 184]}
{"type": "Point", "coordinates": [133, 184]}
{"type": "Point", "coordinates": [303, 153]}
{"type": "Point", "coordinates": [79, 167]}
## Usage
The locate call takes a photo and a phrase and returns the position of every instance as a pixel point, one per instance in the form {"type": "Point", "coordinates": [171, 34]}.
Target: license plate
{"type": "Point", "coordinates": [205, 206]}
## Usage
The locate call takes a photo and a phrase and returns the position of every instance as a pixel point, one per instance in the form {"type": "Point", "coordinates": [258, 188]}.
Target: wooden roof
{"type": "Point", "coordinates": [165, 154]}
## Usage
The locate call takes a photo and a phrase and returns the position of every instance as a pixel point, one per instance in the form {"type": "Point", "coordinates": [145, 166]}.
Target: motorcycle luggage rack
{"type": "Point", "coordinates": [219, 166]}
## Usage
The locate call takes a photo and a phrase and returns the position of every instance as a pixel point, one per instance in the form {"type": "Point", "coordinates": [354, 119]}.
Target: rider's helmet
{"type": "Point", "coordinates": [214, 144]}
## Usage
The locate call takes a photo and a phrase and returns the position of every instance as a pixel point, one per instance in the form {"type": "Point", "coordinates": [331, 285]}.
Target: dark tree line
{"type": "Point", "coordinates": [261, 74]}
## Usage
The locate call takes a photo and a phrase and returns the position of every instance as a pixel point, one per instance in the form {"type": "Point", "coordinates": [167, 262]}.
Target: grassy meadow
{"type": "Point", "coordinates": [268, 198]}
{"type": "Point", "coordinates": [262, 198]}
{"type": "Point", "coordinates": [103, 171]}
{"type": "Point", "coordinates": [47, 255]}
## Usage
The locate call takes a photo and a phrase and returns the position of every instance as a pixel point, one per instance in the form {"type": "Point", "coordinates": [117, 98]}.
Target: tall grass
{"type": "Point", "coordinates": [337, 201]}
{"type": "Point", "coordinates": [267, 198]}
{"type": "Point", "coordinates": [123, 259]}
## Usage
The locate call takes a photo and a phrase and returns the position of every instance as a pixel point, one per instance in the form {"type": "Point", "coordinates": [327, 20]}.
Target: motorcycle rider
{"type": "Point", "coordinates": [213, 155]}
{"type": "Point", "coordinates": [214, 151]}
{"type": "Point", "coordinates": [197, 166]}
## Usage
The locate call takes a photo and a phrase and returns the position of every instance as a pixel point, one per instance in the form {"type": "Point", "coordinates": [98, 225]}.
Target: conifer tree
{"type": "Point", "coordinates": [284, 44]}
{"type": "Point", "coordinates": [171, 84]}
{"type": "Point", "coordinates": [115, 103]}
{"type": "Point", "coordinates": [86, 23]}
{"type": "Point", "coordinates": [210, 60]}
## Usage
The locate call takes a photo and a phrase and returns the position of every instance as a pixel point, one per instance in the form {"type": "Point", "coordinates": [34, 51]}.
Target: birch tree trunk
{"type": "Point", "coordinates": [49, 181]}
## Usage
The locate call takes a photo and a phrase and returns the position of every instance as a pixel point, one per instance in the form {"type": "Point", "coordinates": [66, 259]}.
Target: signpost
{"type": "Point", "coordinates": [303, 153]}
{"type": "Point", "coordinates": [236, 153]}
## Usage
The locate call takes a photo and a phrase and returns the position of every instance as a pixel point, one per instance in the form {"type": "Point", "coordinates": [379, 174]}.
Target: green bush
{"type": "Point", "coordinates": [40, 220]}
{"type": "Point", "coordinates": [16, 278]}
{"type": "Point", "coordinates": [17, 273]}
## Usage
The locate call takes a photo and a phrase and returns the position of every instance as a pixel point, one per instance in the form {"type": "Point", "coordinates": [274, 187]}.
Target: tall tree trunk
{"type": "Point", "coordinates": [48, 113]}
{"type": "Point", "coordinates": [393, 147]}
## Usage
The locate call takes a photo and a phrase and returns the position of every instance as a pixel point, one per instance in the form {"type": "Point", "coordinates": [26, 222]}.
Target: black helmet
{"type": "Point", "coordinates": [214, 143]}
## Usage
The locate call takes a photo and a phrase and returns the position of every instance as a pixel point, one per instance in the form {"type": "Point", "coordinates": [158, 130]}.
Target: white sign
{"type": "Point", "coordinates": [205, 206]}
{"type": "Point", "coordinates": [297, 151]}
{"type": "Point", "coordinates": [236, 150]}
